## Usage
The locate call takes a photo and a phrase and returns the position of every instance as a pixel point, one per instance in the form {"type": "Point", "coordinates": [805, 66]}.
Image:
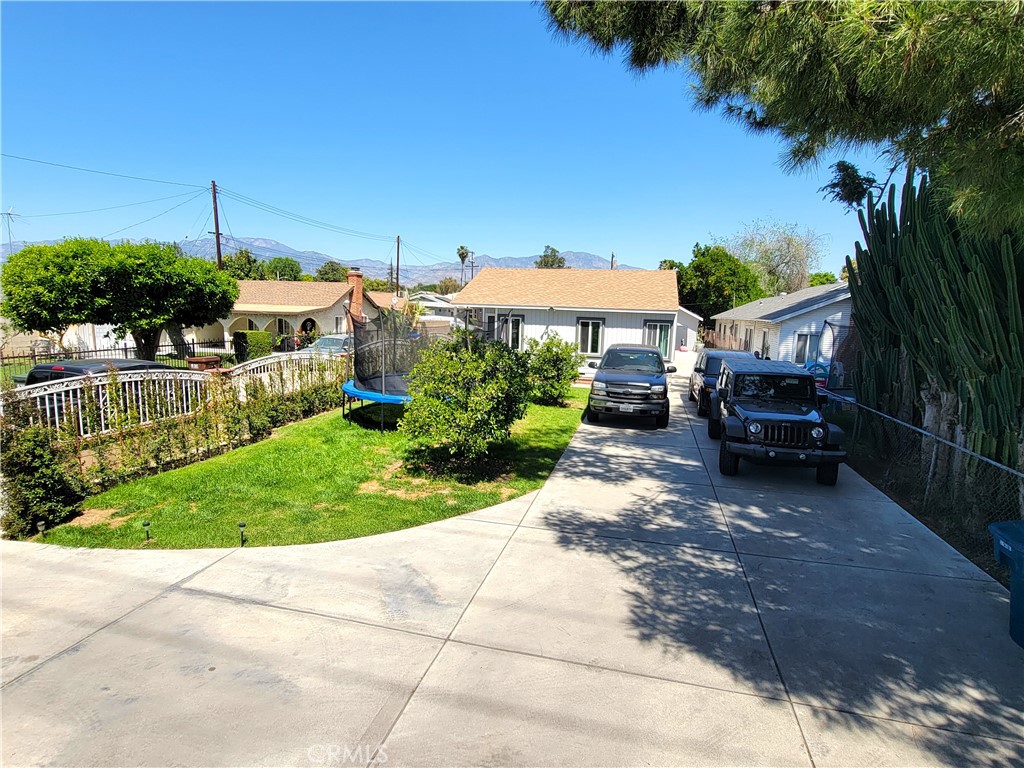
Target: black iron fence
{"type": "Point", "coordinates": [955, 492]}
{"type": "Point", "coordinates": [15, 367]}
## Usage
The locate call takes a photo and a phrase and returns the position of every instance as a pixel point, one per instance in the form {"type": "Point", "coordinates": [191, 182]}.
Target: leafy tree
{"type": "Point", "coordinates": [821, 278]}
{"type": "Point", "coordinates": [331, 272]}
{"type": "Point", "coordinates": [935, 85]}
{"type": "Point", "coordinates": [466, 394]}
{"type": "Point", "coordinates": [554, 365]}
{"type": "Point", "coordinates": [550, 259]}
{"type": "Point", "coordinates": [376, 284]}
{"type": "Point", "coordinates": [714, 281]}
{"type": "Point", "coordinates": [306, 278]}
{"type": "Point", "coordinates": [242, 265]}
{"type": "Point", "coordinates": [780, 254]}
{"type": "Point", "coordinates": [142, 287]}
{"type": "Point", "coordinates": [43, 285]}
{"type": "Point", "coordinates": [139, 288]}
{"type": "Point", "coordinates": [283, 268]}
{"type": "Point", "coordinates": [447, 285]}
{"type": "Point", "coordinates": [463, 253]}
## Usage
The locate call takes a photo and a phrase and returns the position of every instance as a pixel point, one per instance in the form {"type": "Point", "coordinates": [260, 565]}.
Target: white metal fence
{"type": "Point", "coordinates": [93, 405]}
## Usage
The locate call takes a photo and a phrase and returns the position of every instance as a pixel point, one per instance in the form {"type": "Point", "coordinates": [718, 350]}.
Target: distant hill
{"type": "Point", "coordinates": [265, 249]}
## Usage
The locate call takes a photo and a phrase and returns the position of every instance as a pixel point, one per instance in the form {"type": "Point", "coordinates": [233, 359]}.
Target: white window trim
{"type": "Point", "coordinates": [600, 336]}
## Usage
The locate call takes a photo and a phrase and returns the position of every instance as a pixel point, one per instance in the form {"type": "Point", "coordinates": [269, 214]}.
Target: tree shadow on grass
{"type": "Point", "coordinates": [916, 649]}
{"type": "Point", "coordinates": [383, 417]}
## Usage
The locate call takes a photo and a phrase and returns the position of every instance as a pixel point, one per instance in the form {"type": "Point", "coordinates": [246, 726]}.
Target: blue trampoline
{"type": "Point", "coordinates": [352, 390]}
{"type": "Point", "coordinates": [386, 349]}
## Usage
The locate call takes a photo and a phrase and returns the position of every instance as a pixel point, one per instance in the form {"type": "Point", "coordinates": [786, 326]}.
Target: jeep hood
{"type": "Point", "coordinates": [769, 410]}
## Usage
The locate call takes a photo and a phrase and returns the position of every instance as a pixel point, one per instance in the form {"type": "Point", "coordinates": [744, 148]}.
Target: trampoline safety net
{"type": "Point", "coordinates": [386, 349]}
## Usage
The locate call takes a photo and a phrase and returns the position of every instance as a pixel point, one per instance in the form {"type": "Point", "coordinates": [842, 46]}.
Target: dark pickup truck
{"type": "Point", "coordinates": [630, 381]}
{"type": "Point", "coordinates": [769, 412]}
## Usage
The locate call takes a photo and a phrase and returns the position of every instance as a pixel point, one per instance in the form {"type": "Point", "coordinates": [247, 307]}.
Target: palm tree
{"type": "Point", "coordinates": [463, 253]}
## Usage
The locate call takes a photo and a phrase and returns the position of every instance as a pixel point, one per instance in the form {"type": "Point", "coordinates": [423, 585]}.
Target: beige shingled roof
{"type": "Point", "coordinates": [382, 299]}
{"type": "Point", "coordinates": [287, 297]}
{"type": "Point", "coordinates": [622, 289]}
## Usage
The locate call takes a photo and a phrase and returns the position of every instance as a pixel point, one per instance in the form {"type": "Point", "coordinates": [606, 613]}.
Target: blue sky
{"type": "Point", "coordinates": [446, 123]}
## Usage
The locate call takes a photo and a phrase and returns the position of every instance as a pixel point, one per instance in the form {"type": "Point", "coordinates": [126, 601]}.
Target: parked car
{"type": "Point", "coordinates": [630, 381]}
{"type": "Point", "coordinates": [333, 344]}
{"type": "Point", "coordinates": [769, 412]}
{"type": "Point", "coordinates": [66, 369]}
{"type": "Point", "coordinates": [704, 378]}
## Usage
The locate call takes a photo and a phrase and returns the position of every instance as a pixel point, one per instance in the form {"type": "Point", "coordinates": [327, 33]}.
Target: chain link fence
{"type": "Point", "coordinates": [953, 491]}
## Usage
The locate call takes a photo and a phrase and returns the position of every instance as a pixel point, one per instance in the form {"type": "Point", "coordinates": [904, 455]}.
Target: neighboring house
{"type": "Point", "coordinates": [434, 304]}
{"type": "Point", "coordinates": [286, 307]}
{"type": "Point", "coordinates": [787, 326]}
{"type": "Point", "coordinates": [591, 308]}
{"type": "Point", "coordinates": [378, 300]}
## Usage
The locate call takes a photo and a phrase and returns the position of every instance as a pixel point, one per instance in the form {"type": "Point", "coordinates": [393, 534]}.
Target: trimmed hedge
{"type": "Point", "coordinates": [252, 344]}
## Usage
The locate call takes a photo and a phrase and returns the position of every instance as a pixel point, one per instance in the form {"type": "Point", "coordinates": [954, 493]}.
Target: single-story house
{"type": "Point", "coordinates": [434, 304]}
{"type": "Point", "coordinates": [592, 308]}
{"type": "Point", "coordinates": [788, 326]}
{"type": "Point", "coordinates": [287, 307]}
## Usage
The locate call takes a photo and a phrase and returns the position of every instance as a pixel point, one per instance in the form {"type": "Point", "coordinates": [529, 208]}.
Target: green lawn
{"type": "Point", "coordinates": [322, 479]}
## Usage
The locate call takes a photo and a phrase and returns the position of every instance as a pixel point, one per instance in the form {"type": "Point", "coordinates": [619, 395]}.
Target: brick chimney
{"type": "Point", "coordinates": [355, 307]}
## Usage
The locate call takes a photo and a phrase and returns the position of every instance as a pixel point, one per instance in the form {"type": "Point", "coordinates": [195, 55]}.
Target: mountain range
{"type": "Point", "coordinates": [412, 273]}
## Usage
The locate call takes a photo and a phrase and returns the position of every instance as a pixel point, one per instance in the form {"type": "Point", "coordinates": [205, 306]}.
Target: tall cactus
{"type": "Point", "coordinates": [948, 303]}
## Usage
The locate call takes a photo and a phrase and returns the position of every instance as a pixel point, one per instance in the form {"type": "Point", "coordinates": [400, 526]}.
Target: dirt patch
{"type": "Point", "coordinates": [506, 493]}
{"type": "Point", "coordinates": [99, 516]}
{"type": "Point", "coordinates": [372, 486]}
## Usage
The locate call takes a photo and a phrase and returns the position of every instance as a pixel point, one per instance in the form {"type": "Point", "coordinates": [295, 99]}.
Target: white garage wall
{"type": "Point", "coordinates": [811, 323]}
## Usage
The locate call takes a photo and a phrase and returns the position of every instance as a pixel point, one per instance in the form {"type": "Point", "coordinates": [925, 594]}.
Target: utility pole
{"type": "Point", "coordinates": [472, 265]}
{"type": "Point", "coordinates": [216, 224]}
{"type": "Point", "coordinates": [398, 265]}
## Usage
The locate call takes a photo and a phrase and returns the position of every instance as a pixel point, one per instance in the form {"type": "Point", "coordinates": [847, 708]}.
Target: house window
{"type": "Point", "coordinates": [512, 332]}
{"type": "Point", "coordinates": [251, 324]}
{"type": "Point", "coordinates": [589, 333]}
{"type": "Point", "coordinates": [748, 339]}
{"type": "Point", "coordinates": [339, 324]}
{"type": "Point", "coordinates": [657, 335]}
{"type": "Point", "coordinates": [284, 328]}
{"type": "Point", "coordinates": [802, 340]}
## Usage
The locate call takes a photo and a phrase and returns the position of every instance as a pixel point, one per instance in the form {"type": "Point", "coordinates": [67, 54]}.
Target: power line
{"type": "Point", "coordinates": [110, 208]}
{"type": "Point", "coordinates": [144, 221]}
{"type": "Point", "coordinates": [426, 252]}
{"type": "Point", "coordinates": [298, 217]}
{"type": "Point", "coordinates": [102, 173]}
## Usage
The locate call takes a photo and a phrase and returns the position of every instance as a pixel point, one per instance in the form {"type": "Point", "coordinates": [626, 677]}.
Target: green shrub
{"type": "Point", "coordinates": [42, 481]}
{"type": "Point", "coordinates": [252, 344]}
{"type": "Point", "coordinates": [554, 366]}
{"type": "Point", "coordinates": [466, 394]}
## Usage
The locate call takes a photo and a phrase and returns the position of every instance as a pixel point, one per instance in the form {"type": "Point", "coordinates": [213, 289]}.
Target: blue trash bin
{"type": "Point", "coordinates": [1008, 541]}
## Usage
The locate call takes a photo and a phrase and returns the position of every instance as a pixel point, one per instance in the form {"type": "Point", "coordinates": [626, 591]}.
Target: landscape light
{"type": "Point", "coordinates": [145, 527]}
{"type": "Point", "coordinates": [41, 526]}
{"type": "Point", "coordinates": [241, 534]}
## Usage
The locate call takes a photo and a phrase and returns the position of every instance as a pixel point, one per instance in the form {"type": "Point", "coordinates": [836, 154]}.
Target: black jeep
{"type": "Point", "coordinates": [768, 412]}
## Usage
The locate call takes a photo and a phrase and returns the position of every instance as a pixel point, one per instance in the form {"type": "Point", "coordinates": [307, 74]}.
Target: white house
{"type": "Point", "coordinates": [788, 326]}
{"type": "Point", "coordinates": [592, 308]}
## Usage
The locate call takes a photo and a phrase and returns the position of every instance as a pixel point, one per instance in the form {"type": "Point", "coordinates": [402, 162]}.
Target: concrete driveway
{"type": "Point", "coordinates": [640, 609]}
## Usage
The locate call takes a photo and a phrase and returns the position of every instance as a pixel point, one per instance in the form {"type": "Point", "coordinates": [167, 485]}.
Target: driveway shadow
{"type": "Point", "coordinates": [927, 650]}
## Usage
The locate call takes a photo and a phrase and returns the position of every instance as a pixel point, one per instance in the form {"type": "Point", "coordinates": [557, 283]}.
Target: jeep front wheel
{"type": "Point", "coordinates": [714, 428]}
{"type": "Point", "coordinates": [728, 463]}
{"type": "Point", "coordinates": [827, 474]}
